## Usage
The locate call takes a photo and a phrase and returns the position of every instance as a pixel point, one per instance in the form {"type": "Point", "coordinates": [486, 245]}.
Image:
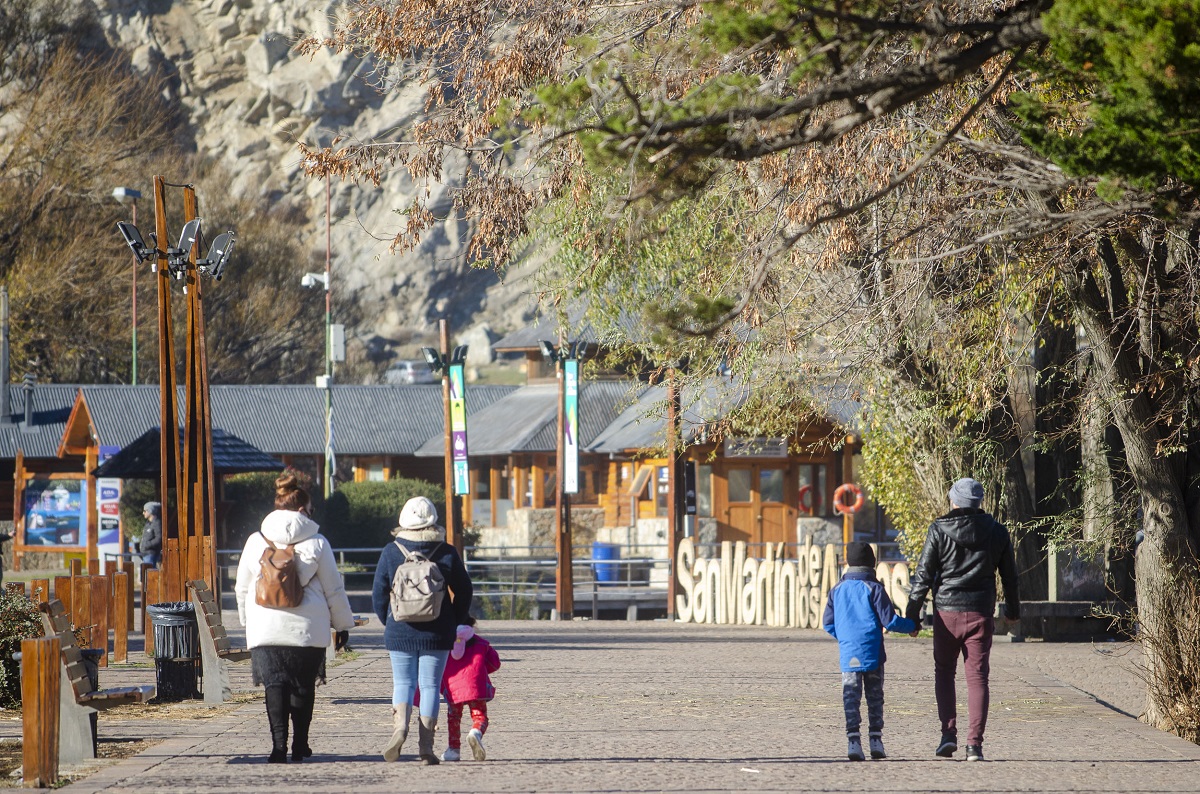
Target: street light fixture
{"type": "Point", "coordinates": [440, 364]}
{"type": "Point", "coordinates": [213, 264]}
{"type": "Point", "coordinates": [133, 239]}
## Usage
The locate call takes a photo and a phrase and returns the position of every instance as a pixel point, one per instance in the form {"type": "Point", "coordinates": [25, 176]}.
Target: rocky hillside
{"type": "Point", "coordinates": [250, 98]}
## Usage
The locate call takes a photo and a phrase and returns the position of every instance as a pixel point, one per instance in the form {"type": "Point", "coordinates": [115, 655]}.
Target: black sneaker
{"type": "Point", "coordinates": [974, 752]}
{"type": "Point", "coordinates": [948, 746]}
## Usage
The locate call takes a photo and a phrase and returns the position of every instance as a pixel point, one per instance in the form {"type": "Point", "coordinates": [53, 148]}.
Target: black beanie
{"type": "Point", "coordinates": [859, 555]}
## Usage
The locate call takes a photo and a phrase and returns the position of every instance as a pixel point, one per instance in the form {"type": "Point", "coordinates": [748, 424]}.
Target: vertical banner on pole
{"type": "Point", "coordinates": [458, 430]}
{"type": "Point", "coordinates": [108, 505]}
{"type": "Point", "coordinates": [571, 426]}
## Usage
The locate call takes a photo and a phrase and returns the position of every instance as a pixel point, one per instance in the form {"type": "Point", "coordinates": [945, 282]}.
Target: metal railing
{"type": "Point", "coordinates": [888, 551]}
{"type": "Point", "coordinates": [533, 571]}
{"type": "Point", "coordinates": [518, 566]}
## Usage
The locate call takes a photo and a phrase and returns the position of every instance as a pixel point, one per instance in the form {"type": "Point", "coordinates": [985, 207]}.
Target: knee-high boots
{"type": "Point", "coordinates": [301, 707]}
{"type": "Point", "coordinates": [278, 707]}
{"type": "Point", "coordinates": [400, 718]}
{"type": "Point", "coordinates": [426, 730]}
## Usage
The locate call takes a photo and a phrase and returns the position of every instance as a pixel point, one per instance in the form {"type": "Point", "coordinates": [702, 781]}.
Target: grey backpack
{"type": "Point", "coordinates": [418, 588]}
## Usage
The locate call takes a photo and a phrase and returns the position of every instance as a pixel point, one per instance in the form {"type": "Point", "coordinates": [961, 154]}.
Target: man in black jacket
{"type": "Point", "coordinates": [963, 550]}
{"type": "Point", "coordinates": [151, 542]}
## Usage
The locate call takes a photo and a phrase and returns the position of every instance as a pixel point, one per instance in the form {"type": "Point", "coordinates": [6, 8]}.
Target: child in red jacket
{"type": "Point", "coordinates": [466, 683]}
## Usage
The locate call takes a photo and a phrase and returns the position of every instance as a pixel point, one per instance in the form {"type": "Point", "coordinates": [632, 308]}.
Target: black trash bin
{"type": "Point", "coordinates": [176, 650]}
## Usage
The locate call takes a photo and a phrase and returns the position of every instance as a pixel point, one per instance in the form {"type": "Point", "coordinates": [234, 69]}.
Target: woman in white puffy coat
{"type": "Point", "coordinates": [287, 645]}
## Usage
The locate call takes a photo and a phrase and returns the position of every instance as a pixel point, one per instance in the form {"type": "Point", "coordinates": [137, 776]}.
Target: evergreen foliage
{"type": "Point", "coordinates": [19, 620]}
{"type": "Point", "coordinates": [1119, 93]}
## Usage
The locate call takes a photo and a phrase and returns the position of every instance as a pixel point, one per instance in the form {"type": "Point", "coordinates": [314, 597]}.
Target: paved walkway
{"type": "Point", "coordinates": [612, 707]}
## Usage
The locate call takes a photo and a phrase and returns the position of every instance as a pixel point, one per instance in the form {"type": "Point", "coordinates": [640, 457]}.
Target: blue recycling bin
{"type": "Point", "coordinates": [605, 572]}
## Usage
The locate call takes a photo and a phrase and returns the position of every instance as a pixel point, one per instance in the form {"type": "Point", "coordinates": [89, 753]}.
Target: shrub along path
{"type": "Point", "coordinates": [666, 707]}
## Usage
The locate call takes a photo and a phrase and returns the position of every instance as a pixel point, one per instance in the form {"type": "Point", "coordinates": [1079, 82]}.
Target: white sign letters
{"type": "Point", "coordinates": [774, 591]}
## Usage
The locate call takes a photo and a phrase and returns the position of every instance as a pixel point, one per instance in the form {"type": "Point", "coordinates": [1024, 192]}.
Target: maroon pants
{"type": "Point", "coordinates": [968, 634]}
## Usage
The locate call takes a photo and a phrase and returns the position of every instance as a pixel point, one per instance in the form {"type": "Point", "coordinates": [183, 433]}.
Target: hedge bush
{"type": "Point", "coordinates": [19, 620]}
{"type": "Point", "coordinates": [363, 514]}
{"type": "Point", "coordinates": [359, 514]}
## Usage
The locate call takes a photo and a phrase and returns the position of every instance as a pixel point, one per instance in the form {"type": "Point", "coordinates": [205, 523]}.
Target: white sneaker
{"type": "Point", "coordinates": [450, 755]}
{"type": "Point", "coordinates": [475, 739]}
{"type": "Point", "coordinates": [877, 750]}
{"type": "Point", "coordinates": [854, 749]}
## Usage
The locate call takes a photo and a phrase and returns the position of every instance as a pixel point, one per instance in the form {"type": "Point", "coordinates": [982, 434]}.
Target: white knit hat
{"type": "Point", "coordinates": [418, 513]}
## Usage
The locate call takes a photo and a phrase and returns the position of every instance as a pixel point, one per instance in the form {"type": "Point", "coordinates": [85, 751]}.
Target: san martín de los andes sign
{"type": "Point", "coordinates": [773, 591]}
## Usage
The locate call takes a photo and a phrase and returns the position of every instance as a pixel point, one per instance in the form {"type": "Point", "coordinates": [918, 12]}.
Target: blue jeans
{"type": "Point", "coordinates": [853, 685]}
{"type": "Point", "coordinates": [151, 558]}
{"type": "Point", "coordinates": [412, 670]}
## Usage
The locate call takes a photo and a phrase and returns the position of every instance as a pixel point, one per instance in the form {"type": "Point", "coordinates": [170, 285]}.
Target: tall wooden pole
{"type": "Point", "coordinates": [197, 497]}
{"type": "Point", "coordinates": [169, 475]}
{"type": "Point", "coordinates": [453, 508]}
{"type": "Point", "coordinates": [564, 579]}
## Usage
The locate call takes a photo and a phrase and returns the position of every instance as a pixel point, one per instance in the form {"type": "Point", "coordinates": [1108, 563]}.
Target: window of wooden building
{"type": "Point", "coordinates": [813, 493]}
{"type": "Point", "coordinates": [704, 478]}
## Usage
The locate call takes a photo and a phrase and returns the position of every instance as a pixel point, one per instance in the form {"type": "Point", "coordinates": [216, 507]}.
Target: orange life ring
{"type": "Point", "coordinates": [805, 490]}
{"type": "Point", "coordinates": [848, 488]}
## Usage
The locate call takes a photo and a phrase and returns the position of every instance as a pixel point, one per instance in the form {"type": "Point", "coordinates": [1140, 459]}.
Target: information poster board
{"type": "Point", "coordinates": [55, 512]}
{"type": "Point", "coordinates": [108, 508]}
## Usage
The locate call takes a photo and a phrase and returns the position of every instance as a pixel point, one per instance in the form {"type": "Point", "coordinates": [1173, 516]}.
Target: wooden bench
{"type": "Point", "coordinates": [216, 649]}
{"type": "Point", "coordinates": [78, 701]}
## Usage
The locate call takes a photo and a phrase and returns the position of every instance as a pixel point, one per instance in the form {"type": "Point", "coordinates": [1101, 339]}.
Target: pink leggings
{"type": "Point", "coordinates": [968, 634]}
{"type": "Point", "coordinates": [454, 713]}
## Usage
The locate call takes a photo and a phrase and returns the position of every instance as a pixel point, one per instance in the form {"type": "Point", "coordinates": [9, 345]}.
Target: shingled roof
{"type": "Point", "coordinates": [231, 455]}
{"type": "Point", "coordinates": [527, 419]}
{"type": "Point", "coordinates": [279, 419]}
{"type": "Point", "coordinates": [577, 328]}
{"type": "Point", "coordinates": [643, 424]}
{"type": "Point", "coordinates": [51, 408]}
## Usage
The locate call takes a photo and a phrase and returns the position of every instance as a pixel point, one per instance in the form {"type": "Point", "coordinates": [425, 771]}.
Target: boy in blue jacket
{"type": "Point", "coordinates": [857, 613]}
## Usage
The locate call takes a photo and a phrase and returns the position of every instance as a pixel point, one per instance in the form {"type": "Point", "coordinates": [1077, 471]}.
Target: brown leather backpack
{"type": "Point", "coordinates": [278, 585]}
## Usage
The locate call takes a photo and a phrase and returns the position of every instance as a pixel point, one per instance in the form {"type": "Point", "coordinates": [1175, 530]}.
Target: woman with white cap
{"type": "Point", "coordinates": [419, 648]}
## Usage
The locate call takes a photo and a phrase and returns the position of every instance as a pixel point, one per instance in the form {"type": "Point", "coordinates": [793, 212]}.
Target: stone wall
{"type": "Point", "coordinates": [818, 531]}
{"type": "Point", "coordinates": [528, 528]}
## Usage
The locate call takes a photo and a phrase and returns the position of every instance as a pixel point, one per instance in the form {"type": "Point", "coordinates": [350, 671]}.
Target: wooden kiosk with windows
{"type": "Point", "coordinates": [754, 488]}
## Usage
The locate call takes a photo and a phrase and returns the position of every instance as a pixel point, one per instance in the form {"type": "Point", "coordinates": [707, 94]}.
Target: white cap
{"type": "Point", "coordinates": [418, 513]}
